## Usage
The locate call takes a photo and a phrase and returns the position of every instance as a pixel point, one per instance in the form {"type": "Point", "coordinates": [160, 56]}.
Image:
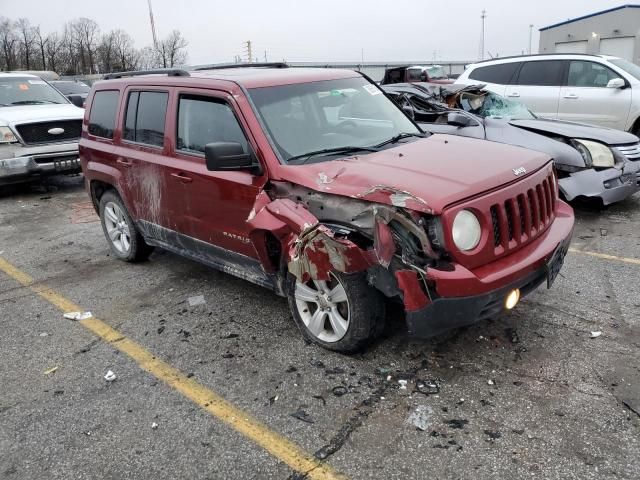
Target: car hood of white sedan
{"type": "Point", "coordinates": [39, 113]}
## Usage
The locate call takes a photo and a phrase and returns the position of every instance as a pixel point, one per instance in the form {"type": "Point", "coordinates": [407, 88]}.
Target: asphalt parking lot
{"type": "Point", "coordinates": [529, 394]}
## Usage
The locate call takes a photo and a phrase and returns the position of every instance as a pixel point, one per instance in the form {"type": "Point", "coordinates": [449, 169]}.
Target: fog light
{"type": "Point", "coordinates": [512, 299]}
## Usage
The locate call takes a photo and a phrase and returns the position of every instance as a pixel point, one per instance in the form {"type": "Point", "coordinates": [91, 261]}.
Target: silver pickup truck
{"type": "Point", "coordinates": [39, 129]}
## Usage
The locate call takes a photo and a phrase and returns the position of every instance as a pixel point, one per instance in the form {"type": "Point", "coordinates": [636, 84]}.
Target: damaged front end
{"type": "Point", "coordinates": [320, 233]}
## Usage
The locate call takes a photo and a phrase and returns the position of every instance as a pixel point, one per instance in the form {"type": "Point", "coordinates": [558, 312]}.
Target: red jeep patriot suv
{"type": "Point", "coordinates": [313, 183]}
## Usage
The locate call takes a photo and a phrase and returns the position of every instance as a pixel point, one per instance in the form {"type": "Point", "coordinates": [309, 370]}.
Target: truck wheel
{"type": "Point", "coordinates": [124, 239]}
{"type": "Point", "coordinates": [341, 314]}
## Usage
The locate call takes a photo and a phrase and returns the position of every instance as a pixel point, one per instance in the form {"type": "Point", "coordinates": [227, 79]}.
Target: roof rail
{"type": "Point", "coordinates": [535, 55]}
{"type": "Point", "coordinates": [220, 66]}
{"type": "Point", "coordinates": [171, 72]}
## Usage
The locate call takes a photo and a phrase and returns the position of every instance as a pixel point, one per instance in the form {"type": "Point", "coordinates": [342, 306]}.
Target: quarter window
{"type": "Point", "coordinates": [102, 119]}
{"type": "Point", "coordinates": [204, 120]}
{"type": "Point", "coordinates": [145, 117]}
{"type": "Point", "coordinates": [589, 74]}
{"type": "Point", "coordinates": [542, 73]}
{"type": "Point", "coordinates": [500, 74]}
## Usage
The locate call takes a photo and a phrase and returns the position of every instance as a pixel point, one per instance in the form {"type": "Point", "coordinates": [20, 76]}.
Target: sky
{"type": "Point", "coordinates": [320, 30]}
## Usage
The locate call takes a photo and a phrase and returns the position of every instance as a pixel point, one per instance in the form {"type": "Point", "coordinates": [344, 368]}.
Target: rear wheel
{"type": "Point", "coordinates": [124, 239]}
{"type": "Point", "coordinates": [343, 313]}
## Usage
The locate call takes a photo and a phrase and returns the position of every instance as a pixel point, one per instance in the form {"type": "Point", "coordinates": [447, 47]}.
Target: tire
{"type": "Point", "coordinates": [122, 236]}
{"type": "Point", "coordinates": [341, 325]}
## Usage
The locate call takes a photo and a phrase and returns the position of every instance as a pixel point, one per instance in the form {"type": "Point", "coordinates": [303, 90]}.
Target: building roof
{"type": "Point", "coordinates": [602, 12]}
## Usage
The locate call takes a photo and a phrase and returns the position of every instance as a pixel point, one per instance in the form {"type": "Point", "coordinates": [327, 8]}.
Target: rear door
{"type": "Point", "coordinates": [495, 77]}
{"type": "Point", "coordinates": [537, 85]}
{"type": "Point", "coordinates": [215, 206]}
{"type": "Point", "coordinates": [586, 98]}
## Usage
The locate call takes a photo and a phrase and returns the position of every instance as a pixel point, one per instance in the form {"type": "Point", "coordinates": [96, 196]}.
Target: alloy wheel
{"type": "Point", "coordinates": [117, 228]}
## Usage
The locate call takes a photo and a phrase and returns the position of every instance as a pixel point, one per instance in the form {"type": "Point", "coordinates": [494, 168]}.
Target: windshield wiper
{"type": "Point", "coordinates": [33, 102]}
{"type": "Point", "coordinates": [336, 150]}
{"type": "Point", "coordinates": [397, 138]}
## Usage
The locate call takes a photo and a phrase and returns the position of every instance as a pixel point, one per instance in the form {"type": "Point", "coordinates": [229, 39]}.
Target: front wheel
{"type": "Point", "coordinates": [343, 313]}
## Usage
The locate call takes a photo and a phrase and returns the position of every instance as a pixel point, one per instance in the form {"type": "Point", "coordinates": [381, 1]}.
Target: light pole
{"type": "Point", "coordinates": [482, 17]}
{"type": "Point", "coordinates": [530, 36]}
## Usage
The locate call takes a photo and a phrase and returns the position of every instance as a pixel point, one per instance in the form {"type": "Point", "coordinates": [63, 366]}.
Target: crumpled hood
{"type": "Point", "coordinates": [425, 175]}
{"type": "Point", "coordinates": [39, 113]}
{"type": "Point", "coordinates": [576, 130]}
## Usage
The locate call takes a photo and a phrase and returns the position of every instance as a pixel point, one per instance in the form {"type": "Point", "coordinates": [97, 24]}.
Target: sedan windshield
{"type": "Point", "coordinates": [436, 72]}
{"type": "Point", "coordinates": [491, 105]}
{"type": "Point", "coordinates": [631, 68]}
{"type": "Point", "coordinates": [27, 91]}
{"type": "Point", "coordinates": [329, 118]}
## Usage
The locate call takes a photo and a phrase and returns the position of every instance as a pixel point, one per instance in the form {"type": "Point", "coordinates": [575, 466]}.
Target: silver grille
{"type": "Point", "coordinates": [632, 152]}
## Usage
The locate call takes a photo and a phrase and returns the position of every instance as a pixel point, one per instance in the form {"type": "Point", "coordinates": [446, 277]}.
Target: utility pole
{"type": "Point", "coordinates": [153, 26]}
{"type": "Point", "coordinates": [265, 57]}
{"type": "Point", "coordinates": [530, 36]}
{"type": "Point", "coordinates": [482, 18]}
{"type": "Point", "coordinates": [361, 55]}
{"type": "Point", "coordinates": [249, 52]}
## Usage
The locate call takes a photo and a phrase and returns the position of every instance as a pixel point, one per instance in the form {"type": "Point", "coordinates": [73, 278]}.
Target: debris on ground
{"type": "Point", "coordinates": [321, 398]}
{"type": "Point", "coordinates": [421, 417]}
{"type": "Point", "coordinates": [492, 435]}
{"type": "Point", "coordinates": [334, 371]}
{"type": "Point", "coordinates": [427, 387]}
{"type": "Point", "coordinates": [603, 232]}
{"type": "Point", "coordinates": [300, 414]}
{"type": "Point", "coordinates": [339, 390]}
{"type": "Point", "coordinates": [77, 315]}
{"type": "Point", "coordinates": [512, 335]}
{"type": "Point", "coordinates": [110, 376]}
{"type": "Point", "coordinates": [457, 423]}
{"type": "Point", "coordinates": [44, 334]}
{"type": "Point", "coordinates": [403, 384]}
{"type": "Point", "coordinates": [154, 425]}
{"type": "Point", "coordinates": [490, 382]}
{"type": "Point", "coordinates": [196, 300]}
{"type": "Point", "coordinates": [49, 371]}
{"type": "Point", "coordinates": [596, 334]}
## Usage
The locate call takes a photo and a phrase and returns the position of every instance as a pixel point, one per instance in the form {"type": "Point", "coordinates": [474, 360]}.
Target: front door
{"type": "Point", "coordinates": [215, 206]}
{"type": "Point", "coordinates": [587, 99]}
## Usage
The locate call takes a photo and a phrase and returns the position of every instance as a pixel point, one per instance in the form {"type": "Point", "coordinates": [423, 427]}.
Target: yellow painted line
{"type": "Point", "coordinates": [605, 256]}
{"type": "Point", "coordinates": [274, 443]}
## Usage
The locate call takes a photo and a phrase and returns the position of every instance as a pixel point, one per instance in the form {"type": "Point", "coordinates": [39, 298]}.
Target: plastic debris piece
{"type": "Point", "coordinates": [596, 334]}
{"type": "Point", "coordinates": [77, 315]}
{"type": "Point", "coordinates": [421, 417]}
{"type": "Point", "coordinates": [300, 414]}
{"type": "Point", "coordinates": [388, 378]}
{"type": "Point", "coordinates": [339, 391]}
{"type": "Point", "coordinates": [154, 425]}
{"type": "Point", "coordinates": [44, 334]}
{"type": "Point", "coordinates": [403, 384]}
{"type": "Point", "coordinates": [427, 387]}
{"type": "Point", "coordinates": [110, 376]}
{"type": "Point", "coordinates": [49, 371]}
{"type": "Point", "coordinates": [196, 300]}
{"type": "Point", "coordinates": [490, 382]}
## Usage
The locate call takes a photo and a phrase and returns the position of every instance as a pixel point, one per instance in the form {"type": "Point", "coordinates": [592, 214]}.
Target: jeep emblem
{"type": "Point", "coordinates": [56, 131]}
{"type": "Point", "coordinates": [519, 171]}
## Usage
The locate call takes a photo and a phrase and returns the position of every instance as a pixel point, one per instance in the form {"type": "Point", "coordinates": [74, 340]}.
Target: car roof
{"type": "Point", "coordinates": [18, 75]}
{"type": "Point", "coordinates": [248, 77]}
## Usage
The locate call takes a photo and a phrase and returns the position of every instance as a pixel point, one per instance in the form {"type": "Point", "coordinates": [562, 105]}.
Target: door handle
{"type": "Point", "coordinates": [513, 94]}
{"type": "Point", "coordinates": [125, 162]}
{"type": "Point", "coordinates": [182, 177]}
{"type": "Point", "coordinates": [572, 96]}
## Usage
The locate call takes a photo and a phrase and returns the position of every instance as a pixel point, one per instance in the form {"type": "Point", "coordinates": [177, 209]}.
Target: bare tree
{"type": "Point", "coordinates": [172, 50]}
{"type": "Point", "coordinates": [106, 52]}
{"type": "Point", "coordinates": [127, 55]}
{"type": "Point", "coordinates": [27, 37]}
{"type": "Point", "coordinates": [87, 34]}
{"type": "Point", "coordinates": [54, 47]}
{"type": "Point", "coordinates": [41, 42]}
{"type": "Point", "coordinates": [8, 42]}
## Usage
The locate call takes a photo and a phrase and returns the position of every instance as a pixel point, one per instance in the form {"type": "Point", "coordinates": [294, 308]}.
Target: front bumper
{"type": "Point", "coordinates": [463, 297]}
{"type": "Point", "coordinates": [610, 185]}
{"type": "Point", "coordinates": [20, 163]}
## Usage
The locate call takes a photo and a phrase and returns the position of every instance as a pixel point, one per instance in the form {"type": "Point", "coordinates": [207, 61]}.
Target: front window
{"type": "Point", "coordinates": [631, 68]}
{"type": "Point", "coordinates": [436, 72]}
{"type": "Point", "coordinates": [16, 91]}
{"type": "Point", "coordinates": [589, 74]}
{"type": "Point", "coordinates": [490, 105]}
{"type": "Point", "coordinates": [330, 114]}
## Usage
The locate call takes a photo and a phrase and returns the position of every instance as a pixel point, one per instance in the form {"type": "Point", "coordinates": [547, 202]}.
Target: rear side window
{"type": "Point", "coordinates": [542, 73]}
{"type": "Point", "coordinates": [145, 117]}
{"type": "Point", "coordinates": [414, 74]}
{"type": "Point", "coordinates": [102, 119]}
{"type": "Point", "coordinates": [501, 74]}
{"type": "Point", "coordinates": [203, 120]}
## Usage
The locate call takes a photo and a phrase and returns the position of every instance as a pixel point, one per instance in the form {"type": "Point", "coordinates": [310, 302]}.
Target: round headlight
{"type": "Point", "coordinates": [466, 230]}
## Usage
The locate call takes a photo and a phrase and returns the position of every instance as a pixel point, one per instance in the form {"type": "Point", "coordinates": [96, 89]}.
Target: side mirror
{"type": "Point", "coordinates": [77, 101]}
{"type": "Point", "coordinates": [459, 120]}
{"type": "Point", "coordinates": [227, 156]}
{"type": "Point", "coordinates": [616, 83]}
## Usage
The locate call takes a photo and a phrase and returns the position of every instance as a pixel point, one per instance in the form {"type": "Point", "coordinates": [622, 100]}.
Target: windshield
{"type": "Point", "coordinates": [491, 105]}
{"type": "Point", "coordinates": [27, 91]}
{"type": "Point", "coordinates": [69, 88]}
{"type": "Point", "coordinates": [436, 72]}
{"type": "Point", "coordinates": [631, 68]}
{"type": "Point", "coordinates": [330, 114]}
